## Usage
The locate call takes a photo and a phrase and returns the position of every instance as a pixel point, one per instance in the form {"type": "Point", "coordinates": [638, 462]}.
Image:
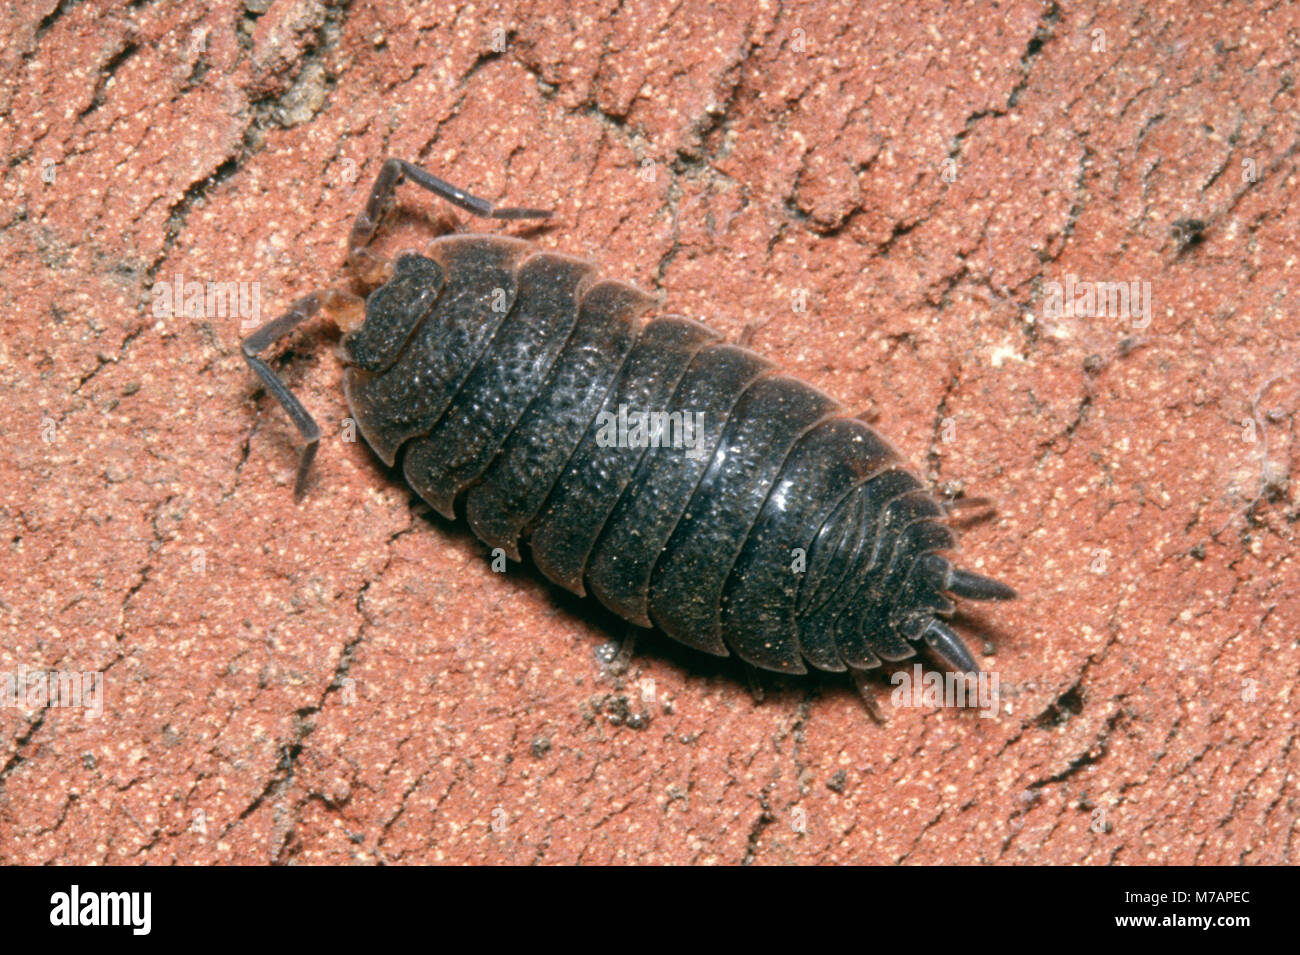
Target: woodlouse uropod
{"type": "Point", "coordinates": [483, 368]}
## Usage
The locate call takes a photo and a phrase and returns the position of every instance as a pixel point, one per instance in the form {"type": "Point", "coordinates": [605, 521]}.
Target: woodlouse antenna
{"type": "Point", "coordinates": [372, 269]}
{"type": "Point", "coordinates": [301, 311]}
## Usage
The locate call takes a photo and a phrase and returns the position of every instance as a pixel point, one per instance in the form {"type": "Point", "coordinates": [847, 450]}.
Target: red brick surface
{"type": "Point", "coordinates": [348, 680]}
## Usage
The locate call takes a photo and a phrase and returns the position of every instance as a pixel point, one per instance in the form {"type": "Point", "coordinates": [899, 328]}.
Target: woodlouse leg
{"type": "Point", "coordinates": [862, 681]}
{"type": "Point", "coordinates": [966, 512]}
{"type": "Point", "coordinates": [371, 269]}
{"type": "Point", "coordinates": [954, 504]}
{"type": "Point", "coordinates": [620, 661]}
{"type": "Point", "coordinates": [348, 309]}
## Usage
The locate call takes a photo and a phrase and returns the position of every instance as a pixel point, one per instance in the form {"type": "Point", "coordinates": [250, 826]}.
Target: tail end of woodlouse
{"type": "Point", "coordinates": [948, 648]}
{"type": "Point", "coordinates": [943, 643]}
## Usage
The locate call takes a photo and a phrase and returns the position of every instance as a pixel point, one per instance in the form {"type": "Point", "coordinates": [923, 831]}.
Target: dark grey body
{"type": "Point", "coordinates": [794, 533]}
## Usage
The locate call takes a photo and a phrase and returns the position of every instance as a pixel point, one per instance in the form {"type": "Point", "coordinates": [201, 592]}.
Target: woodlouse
{"type": "Point", "coordinates": [787, 532]}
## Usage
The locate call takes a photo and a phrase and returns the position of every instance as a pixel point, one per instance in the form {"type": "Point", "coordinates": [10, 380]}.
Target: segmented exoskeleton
{"type": "Point", "coordinates": [742, 512]}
